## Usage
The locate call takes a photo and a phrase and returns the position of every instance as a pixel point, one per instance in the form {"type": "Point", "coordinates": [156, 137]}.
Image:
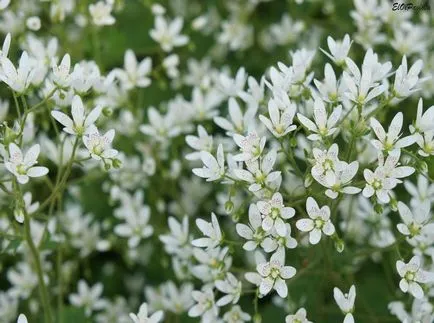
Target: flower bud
{"type": "Point", "coordinates": [117, 163]}
{"type": "Point", "coordinates": [9, 135]}
{"type": "Point", "coordinates": [422, 166]}
{"type": "Point", "coordinates": [339, 245]}
{"type": "Point", "coordinates": [236, 217]}
{"type": "Point", "coordinates": [394, 204]}
{"type": "Point", "coordinates": [378, 208]}
{"type": "Point", "coordinates": [229, 207]}
{"type": "Point", "coordinates": [308, 180]}
{"type": "Point", "coordinates": [19, 215]}
{"type": "Point", "coordinates": [257, 318]}
{"type": "Point", "coordinates": [107, 112]}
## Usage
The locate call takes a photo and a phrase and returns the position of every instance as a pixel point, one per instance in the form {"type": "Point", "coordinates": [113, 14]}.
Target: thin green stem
{"type": "Point", "coordinates": [37, 261]}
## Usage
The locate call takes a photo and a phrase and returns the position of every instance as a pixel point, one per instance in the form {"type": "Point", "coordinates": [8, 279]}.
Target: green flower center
{"type": "Point", "coordinates": [21, 169]}
{"type": "Point", "coordinates": [319, 223]}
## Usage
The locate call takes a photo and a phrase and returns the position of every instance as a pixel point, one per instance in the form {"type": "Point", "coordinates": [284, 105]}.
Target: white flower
{"type": "Point", "coordinates": [318, 223]}
{"type": "Point", "coordinates": [323, 126]}
{"type": "Point", "coordinates": [279, 124]}
{"type": "Point", "coordinates": [274, 213]}
{"type": "Point", "coordinates": [232, 87]}
{"type": "Point", "coordinates": [101, 13]}
{"type": "Point", "coordinates": [406, 81]}
{"type": "Point", "coordinates": [22, 167]}
{"type": "Point", "coordinates": [423, 191]}
{"type": "Point", "coordinates": [338, 49]}
{"type": "Point", "coordinates": [33, 23]}
{"type": "Point", "coordinates": [301, 63]}
{"type": "Point", "coordinates": [416, 222]}
{"type": "Point", "coordinates": [346, 302]}
{"type": "Point", "coordinates": [255, 93]}
{"type": "Point", "coordinates": [142, 316]}
{"type": "Point", "coordinates": [359, 84]}
{"type": "Point", "coordinates": [22, 319]}
{"type": "Point", "coordinates": [423, 130]}
{"type": "Point", "coordinates": [377, 183]}
{"type": "Point", "coordinates": [390, 140]}
{"type": "Point", "coordinates": [158, 9]}
{"type": "Point", "coordinates": [203, 104]}
{"type": "Point", "coordinates": [160, 127]}
{"type": "Point", "coordinates": [236, 315]}
{"type": "Point", "coordinates": [390, 167]}
{"type": "Point", "coordinates": [3, 5]}
{"type": "Point", "coordinates": [412, 276]}
{"type": "Point", "coordinates": [213, 168]}
{"type": "Point", "coordinates": [273, 275]}
{"type": "Point", "coordinates": [99, 146]}
{"type": "Point", "coordinates": [61, 74]}
{"type": "Point", "coordinates": [259, 173]}
{"type": "Point", "coordinates": [88, 297]}
{"type": "Point", "coordinates": [19, 79]}
{"type": "Point", "coordinates": [136, 226]}
{"type": "Point", "coordinates": [212, 232]}
{"type": "Point", "coordinates": [274, 241]}
{"type": "Point", "coordinates": [254, 232]}
{"type": "Point", "coordinates": [421, 311]}
{"type": "Point", "coordinates": [337, 181]}
{"type": "Point", "coordinates": [424, 121]}
{"type": "Point", "coordinates": [177, 299]}
{"type": "Point", "coordinates": [331, 89]}
{"type": "Point", "coordinates": [236, 34]}
{"type": "Point", "coordinates": [231, 286]}
{"type": "Point", "coordinates": [5, 47]}
{"type": "Point", "coordinates": [332, 173]}
{"type": "Point", "coordinates": [213, 263]}
{"type": "Point", "coordinates": [426, 143]}
{"type": "Point", "coordinates": [170, 64]}
{"type": "Point", "coordinates": [299, 317]}
{"type": "Point", "coordinates": [80, 124]}
{"type": "Point", "coordinates": [177, 242]}
{"type": "Point", "coordinates": [326, 161]}
{"type": "Point", "coordinates": [203, 142]}
{"type": "Point", "coordinates": [134, 74]}
{"type": "Point", "coordinates": [205, 306]}
{"type": "Point", "coordinates": [23, 279]}
{"type": "Point", "coordinates": [251, 146]}
{"type": "Point", "coordinates": [167, 33]}
{"type": "Point", "coordinates": [239, 121]}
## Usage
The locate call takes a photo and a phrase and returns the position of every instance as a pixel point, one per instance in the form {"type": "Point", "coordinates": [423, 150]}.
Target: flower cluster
{"type": "Point", "coordinates": [216, 162]}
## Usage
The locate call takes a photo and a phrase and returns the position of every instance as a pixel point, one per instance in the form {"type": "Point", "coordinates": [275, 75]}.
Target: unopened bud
{"type": "Point", "coordinates": [107, 112]}
{"type": "Point", "coordinates": [378, 208]}
{"type": "Point", "coordinates": [394, 204]}
{"type": "Point", "coordinates": [229, 207]}
{"type": "Point", "coordinates": [339, 245]}
{"type": "Point", "coordinates": [257, 318]}
{"type": "Point", "coordinates": [117, 163]}
{"type": "Point", "coordinates": [308, 181]}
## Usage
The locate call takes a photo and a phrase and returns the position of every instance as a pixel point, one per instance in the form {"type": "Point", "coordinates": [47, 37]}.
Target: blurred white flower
{"type": "Point", "coordinates": [168, 33]}
{"type": "Point", "coordinates": [101, 13]}
{"type": "Point", "coordinates": [143, 317]}
{"type": "Point", "coordinates": [88, 298]}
